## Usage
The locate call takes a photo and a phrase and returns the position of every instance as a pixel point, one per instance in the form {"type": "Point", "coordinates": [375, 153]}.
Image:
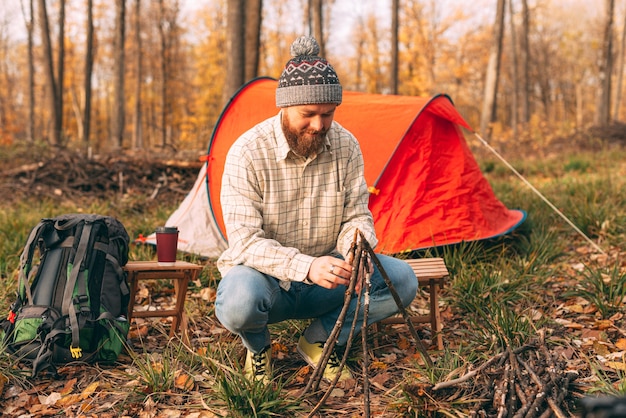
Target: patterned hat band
{"type": "Point", "coordinates": [308, 94]}
{"type": "Point", "coordinates": [307, 78]}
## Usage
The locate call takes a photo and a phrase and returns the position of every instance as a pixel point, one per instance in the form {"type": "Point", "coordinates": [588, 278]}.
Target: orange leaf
{"type": "Point", "coordinates": [621, 344]}
{"type": "Point", "coordinates": [617, 365]}
{"type": "Point", "coordinates": [403, 344]}
{"type": "Point", "coordinates": [69, 387]}
{"type": "Point", "coordinates": [183, 381]}
{"type": "Point", "coordinates": [603, 324]}
{"type": "Point", "coordinates": [576, 308]}
{"type": "Point", "coordinates": [89, 390]}
{"type": "Point", "coordinates": [378, 365]}
{"type": "Point", "coordinates": [68, 400]}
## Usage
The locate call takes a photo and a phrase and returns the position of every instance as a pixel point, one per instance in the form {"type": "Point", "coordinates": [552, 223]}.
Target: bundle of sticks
{"type": "Point", "coordinates": [529, 381]}
{"type": "Point", "coordinates": [361, 257]}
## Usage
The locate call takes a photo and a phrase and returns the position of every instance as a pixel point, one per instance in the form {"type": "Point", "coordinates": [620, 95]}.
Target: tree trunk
{"type": "Point", "coordinates": [525, 58]}
{"type": "Point", "coordinates": [606, 66]}
{"type": "Point", "coordinates": [89, 54]}
{"type": "Point", "coordinates": [393, 78]}
{"type": "Point", "coordinates": [55, 139]}
{"type": "Point", "coordinates": [164, 74]}
{"type": "Point", "coordinates": [118, 117]}
{"type": "Point", "coordinates": [138, 132]}
{"type": "Point", "coordinates": [30, 27]}
{"type": "Point", "coordinates": [514, 72]}
{"type": "Point", "coordinates": [253, 17]}
{"type": "Point", "coordinates": [235, 45]}
{"type": "Point", "coordinates": [488, 114]}
{"type": "Point", "coordinates": [317, 24]}
{"type": "Point", "coordinates": [60, 73]}
{"type": "Point", "coordinates": [620, 74]}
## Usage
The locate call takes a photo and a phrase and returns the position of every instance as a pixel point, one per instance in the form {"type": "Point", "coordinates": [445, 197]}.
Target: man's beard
{"type": "Point", "coordinates": [304, 143]}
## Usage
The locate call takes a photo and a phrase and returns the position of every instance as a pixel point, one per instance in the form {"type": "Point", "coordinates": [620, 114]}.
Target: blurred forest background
{"type": "Point", "coordinates": [153, 76]}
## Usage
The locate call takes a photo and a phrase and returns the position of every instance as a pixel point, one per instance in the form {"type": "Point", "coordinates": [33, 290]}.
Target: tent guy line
{"type": "Point", "coordinates": [538, 193]}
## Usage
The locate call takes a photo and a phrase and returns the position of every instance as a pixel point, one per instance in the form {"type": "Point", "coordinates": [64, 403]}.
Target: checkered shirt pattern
{"type": "Point", "coordinates": [282, 211]}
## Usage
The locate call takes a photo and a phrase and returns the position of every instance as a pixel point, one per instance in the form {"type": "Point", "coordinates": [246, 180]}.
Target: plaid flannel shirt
{"type": "Point", "coordinates": [281, 211]}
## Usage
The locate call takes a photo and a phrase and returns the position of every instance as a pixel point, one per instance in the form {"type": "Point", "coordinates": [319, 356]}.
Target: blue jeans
{"type": "Point", "coordinates": [247, 301]}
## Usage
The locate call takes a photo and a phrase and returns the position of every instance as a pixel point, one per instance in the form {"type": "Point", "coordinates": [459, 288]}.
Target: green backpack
{"type": "Point", "coordinates": [72, 300]}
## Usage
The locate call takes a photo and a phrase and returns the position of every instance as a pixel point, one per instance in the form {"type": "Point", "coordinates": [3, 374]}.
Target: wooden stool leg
{"type": "Point", "coordinates": [180, 292]}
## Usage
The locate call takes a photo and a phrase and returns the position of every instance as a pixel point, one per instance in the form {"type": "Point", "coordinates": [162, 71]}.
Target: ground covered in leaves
{"type": "Point", "coordinates": [558, 372]}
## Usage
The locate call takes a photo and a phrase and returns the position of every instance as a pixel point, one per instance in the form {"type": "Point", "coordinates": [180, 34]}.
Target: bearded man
{"type": "Point", "coordinates": [293, 195]}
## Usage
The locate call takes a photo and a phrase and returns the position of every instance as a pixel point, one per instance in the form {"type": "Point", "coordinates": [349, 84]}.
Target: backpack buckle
{"type": "Point", "coordinates": [80, 299]}
{"type": "Point", "coordinates": [76, 352]}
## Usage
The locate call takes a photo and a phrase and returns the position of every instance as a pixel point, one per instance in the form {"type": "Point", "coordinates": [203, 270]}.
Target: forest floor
{"type": "Point", "coordinates": [74, 177]}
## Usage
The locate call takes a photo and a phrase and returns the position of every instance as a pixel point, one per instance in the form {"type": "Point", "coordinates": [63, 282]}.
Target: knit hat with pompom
{"type": "Point", "coordinates": [307, 78]}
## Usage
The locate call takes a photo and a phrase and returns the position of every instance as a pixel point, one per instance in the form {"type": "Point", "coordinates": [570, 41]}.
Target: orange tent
{"type": "Point", "coordinates": [426, 188]}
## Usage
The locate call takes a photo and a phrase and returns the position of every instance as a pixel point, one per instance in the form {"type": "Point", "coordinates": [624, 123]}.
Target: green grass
{"type": "Point", "coordinates": [501, 294]}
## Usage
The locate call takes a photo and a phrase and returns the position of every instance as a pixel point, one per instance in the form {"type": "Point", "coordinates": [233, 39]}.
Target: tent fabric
{"type": "Point", "coordinates": [426, 187]}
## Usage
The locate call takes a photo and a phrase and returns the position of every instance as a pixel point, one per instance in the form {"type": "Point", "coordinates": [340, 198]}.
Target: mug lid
{"type": "Point", "coordinates": [166, 229]}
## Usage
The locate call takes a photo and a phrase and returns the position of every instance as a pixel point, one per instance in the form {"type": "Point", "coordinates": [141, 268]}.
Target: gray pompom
{"type": "Point", "coordinates": [305, 45]}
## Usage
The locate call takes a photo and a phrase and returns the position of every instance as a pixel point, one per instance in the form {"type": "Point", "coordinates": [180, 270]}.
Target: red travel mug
{"type": "Point", "coordinates": [167, 244]}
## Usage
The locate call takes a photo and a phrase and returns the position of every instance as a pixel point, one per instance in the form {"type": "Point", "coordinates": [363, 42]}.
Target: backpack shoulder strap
{"type": "Point", "coordinates": [68, 306]}
{"type": "Point", "coordinates": [26, 259]}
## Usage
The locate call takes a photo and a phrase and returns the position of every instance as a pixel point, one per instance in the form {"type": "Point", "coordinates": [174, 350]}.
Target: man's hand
{"type": "Point", "coordinates": [330, 272]}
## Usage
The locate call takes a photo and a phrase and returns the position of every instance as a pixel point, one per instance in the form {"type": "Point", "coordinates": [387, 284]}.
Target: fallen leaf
{"type": "Point", "coordinates": [621, 343]}
{"type": "Point", "coordinates": [68, 400]}
{"type": "Point", "coordinates": [600, 348]}
{"type": "Point", "coordinates": [568, 324]}
{"type": "Point", "coordinates": [51, 399]}
{"type": "Point", "coordinates": [69, 387]}
{"type": "Point", "coordinates": [593, 334]}
{"type": "Point", "coordinates": [3, 381]}
{"type": "Point", "coordinates": [169, 413]}
{"type": "Point", "coordinates": [603, 324]}
{"type": "Point", "coordinates": [89, 390]}
{"type": "Point", "coordinates": [576, 308]}
{"type": "Point", "coordinates": [183, 381]}
{"type": "Point", "coordinates": [617, 365]}
{"type": "Point", "coordinates": [378, 365]}
{"type": "Point", "coordinates": [403, 343]}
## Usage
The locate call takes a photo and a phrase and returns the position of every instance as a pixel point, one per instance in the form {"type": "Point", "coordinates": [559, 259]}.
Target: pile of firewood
{"type": "Point", "coordinates": [71, 175]}
{"type": "Point", "coordinates": [530, 381]}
